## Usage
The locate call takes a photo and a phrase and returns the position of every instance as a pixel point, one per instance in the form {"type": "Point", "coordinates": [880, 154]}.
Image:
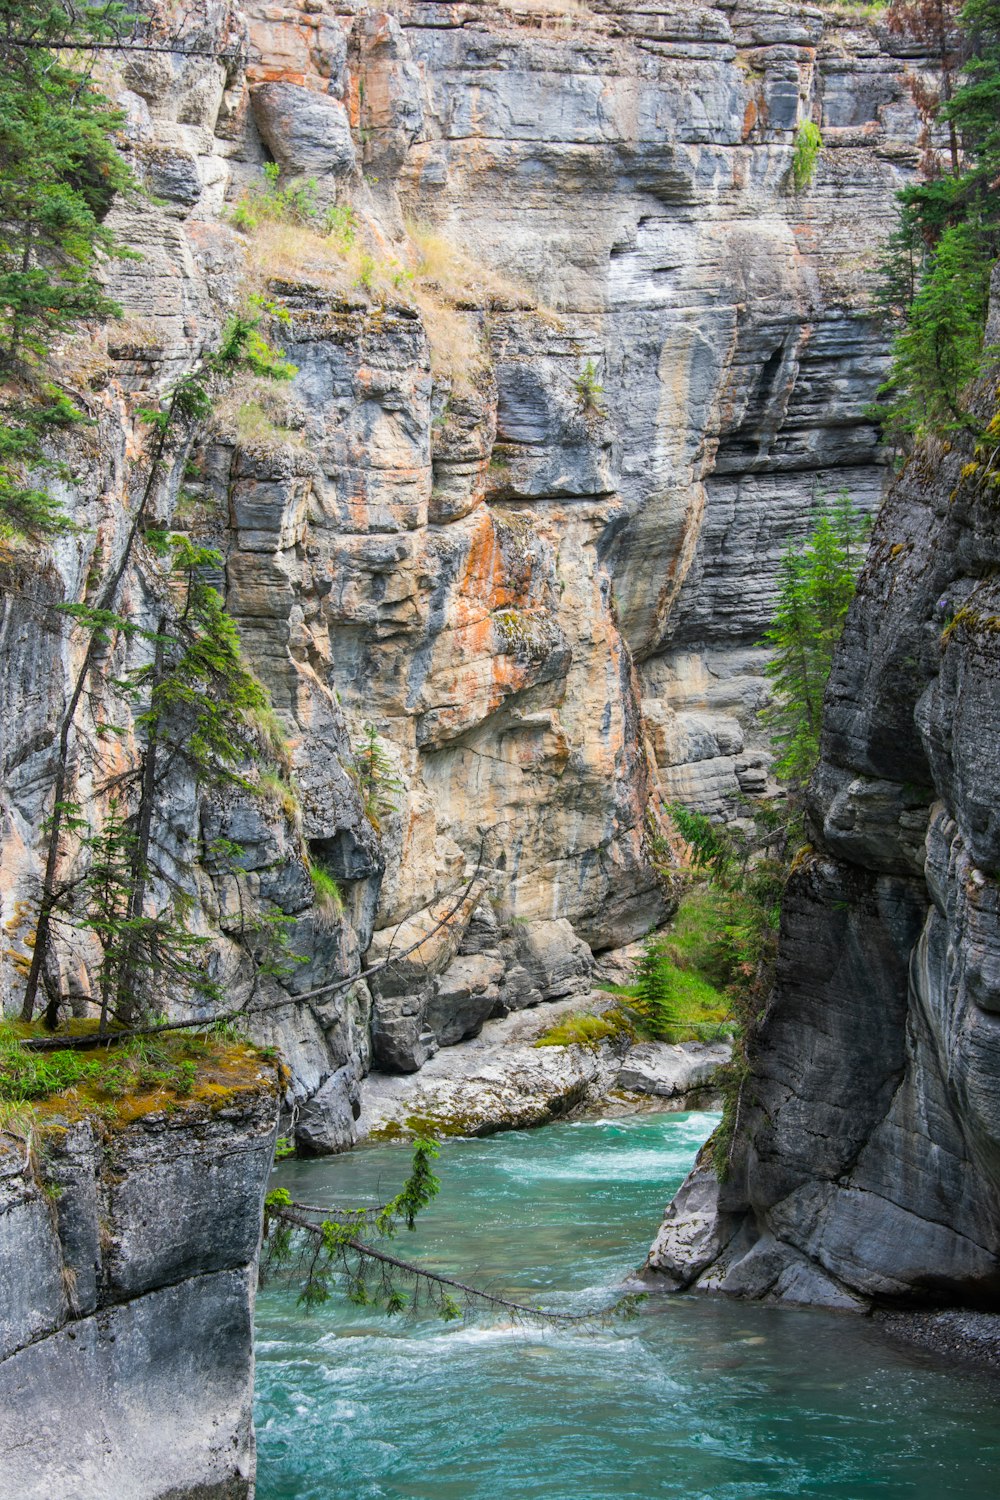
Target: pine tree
{"type": "Point", "coordinates": [653, 991]}
{"type": "Point", "coordinates": [173, 423]}
{"type": "Point", "coordinates": [816, 585]}
{"type": "Point", "coordinates": [197, 707]}
{"type": "Point", "coordinates": [935, 277]}
{"type": "Point", "coordinates": [372, 773]}
{"type": "Point", "coordinates": [59, 173]}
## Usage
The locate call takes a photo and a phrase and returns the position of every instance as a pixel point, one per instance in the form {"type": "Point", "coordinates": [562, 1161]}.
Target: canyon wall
{"type": "Point", "coordinates": [546, 598]}
{"type": "Point", "coordinates": [868, 1164]}
{"type": "Point", "coordinates": [128, 1270]}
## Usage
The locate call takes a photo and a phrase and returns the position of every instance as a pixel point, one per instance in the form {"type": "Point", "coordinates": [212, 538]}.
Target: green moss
{"type": "Point", "coordinates": [583, 1030]}
{"type": "Point", "coordinates": [123, 1082]}
{"type": "Point", "coordinates": [434, 1127]}
{"type": "Point", "coordinates": [390, 1131]}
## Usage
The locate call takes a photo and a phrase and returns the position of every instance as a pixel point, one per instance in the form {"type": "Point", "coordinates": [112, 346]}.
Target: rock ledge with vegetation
{"type": "Point", "coordinates": [502, 1080]}
{"type": "Point", "coordinates": [126, 1357]}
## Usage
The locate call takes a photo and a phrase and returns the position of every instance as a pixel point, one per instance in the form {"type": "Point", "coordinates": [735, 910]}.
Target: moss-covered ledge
{"type": "Point", "coordinates": [130, 1217]}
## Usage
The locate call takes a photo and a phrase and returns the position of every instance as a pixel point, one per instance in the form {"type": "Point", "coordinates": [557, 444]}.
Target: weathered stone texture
{"type": "Point", "coordinates": [870, 1131]}
{"type": "Point", "coordinates": [549, 606]}
{"type": "Point", "coordinates": [127, 1288]}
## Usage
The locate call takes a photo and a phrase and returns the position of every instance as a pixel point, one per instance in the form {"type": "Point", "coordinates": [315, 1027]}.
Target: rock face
{"type": "Point", "coordinates": [127, 1289]}
{"type": "Point", "coordinates": [541, 577]}
{"type": "Point", "coordinates": [869, 1162]}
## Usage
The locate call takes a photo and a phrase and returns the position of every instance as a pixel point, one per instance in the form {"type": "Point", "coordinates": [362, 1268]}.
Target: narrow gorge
{"type": "Point", "coordinates": [514, 350]}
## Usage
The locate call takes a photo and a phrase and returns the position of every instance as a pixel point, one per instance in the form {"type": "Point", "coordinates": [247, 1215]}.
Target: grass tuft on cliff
{"type": "Point", "coordinates": [290, 237]}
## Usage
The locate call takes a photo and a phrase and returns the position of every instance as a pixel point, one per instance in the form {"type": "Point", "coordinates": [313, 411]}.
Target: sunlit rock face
{"type": "Point", "coordinates": [868, 1166]}
{"type": "Point", "coordinates": [548, 598]}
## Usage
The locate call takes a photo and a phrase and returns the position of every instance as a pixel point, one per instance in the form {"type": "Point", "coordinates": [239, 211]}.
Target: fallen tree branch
{"type": "Point", "coordinates": [420, 1273]}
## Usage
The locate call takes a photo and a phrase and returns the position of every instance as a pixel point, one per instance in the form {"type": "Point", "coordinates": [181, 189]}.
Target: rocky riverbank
{"type": "Point", "coordinates": [502, 1080]}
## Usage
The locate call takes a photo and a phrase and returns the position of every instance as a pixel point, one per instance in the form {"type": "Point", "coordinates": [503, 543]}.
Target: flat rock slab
{"type": "Point", "coordinates": [501, 1081]}
{"type": "Point", "coordinates": [665, 1070]}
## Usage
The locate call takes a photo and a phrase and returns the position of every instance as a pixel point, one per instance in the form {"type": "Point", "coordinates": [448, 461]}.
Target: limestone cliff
{"type": "Point", "coordinates": [547, 599]}
{"type": "Point", "coordinates": [868, 1166]}
{"type": "Point", "coordinates": [128, 1267]}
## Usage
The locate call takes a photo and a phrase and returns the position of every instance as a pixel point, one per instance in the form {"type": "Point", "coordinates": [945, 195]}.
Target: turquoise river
{"type": "Point", "coordinates": [696, 1399]}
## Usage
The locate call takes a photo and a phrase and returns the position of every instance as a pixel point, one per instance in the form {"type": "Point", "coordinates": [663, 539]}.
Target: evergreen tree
{"type": "Point", "coordinates": [59, 173]}
{"type": "Point", "coordinates": [173, 423]}
{"type": "Point", "coordinates": [372, 773]}
{"type": "Point", "coordinates": [816, 585]}
{"type": "Point", "coordinates": [653, 993]}
{"type": "Point", "coordinates": [935, 278]}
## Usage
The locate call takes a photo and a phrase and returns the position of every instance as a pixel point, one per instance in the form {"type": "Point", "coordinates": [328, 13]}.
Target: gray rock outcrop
{"type": "Point", "coordinates": [127, 1283]}
{"type": "Point", "coordinates": [868, 1155]}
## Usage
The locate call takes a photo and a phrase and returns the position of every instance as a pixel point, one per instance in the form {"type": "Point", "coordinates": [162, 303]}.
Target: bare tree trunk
{"type": "Point", "coordinates": [128, 977]}
{"type": "Point", "coordinates": [106, 601]}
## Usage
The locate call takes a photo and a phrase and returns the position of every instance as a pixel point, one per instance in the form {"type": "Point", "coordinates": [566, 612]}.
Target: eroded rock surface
{"type": "Point", "coordinates": [127, 1286]}
{"type": "Point", "coordinates": [869, 1151]}
{"type": "Point", "coordinates": [502, 1081]}
{"type": "Point", "coordinates": [543, 587]}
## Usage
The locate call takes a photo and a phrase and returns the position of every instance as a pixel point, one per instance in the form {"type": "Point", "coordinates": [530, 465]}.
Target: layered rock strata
{"type": "Point", "coordinates": [543, 584]}
{"type": "Point", "coordinates": [128, 1268]}
{"type": "Point", "coordinates": [867, 1167]}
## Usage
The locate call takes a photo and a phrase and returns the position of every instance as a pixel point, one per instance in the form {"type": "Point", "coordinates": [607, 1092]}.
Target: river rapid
{"type": "Point", "coordinates": [696, 1399]}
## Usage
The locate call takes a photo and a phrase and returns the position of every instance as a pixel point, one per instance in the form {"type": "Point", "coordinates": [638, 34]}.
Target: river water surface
{"type": "Point", "coordinates": [697, 1399]}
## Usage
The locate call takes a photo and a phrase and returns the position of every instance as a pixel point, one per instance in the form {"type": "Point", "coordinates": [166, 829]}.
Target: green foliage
{"type": "Point", "coordinates": [201, 693]}
{"type": "Point", "coordinates": [336, 1248]}
{"type": "Point", "coordinates": [341, 224]}
{"type": "Point", "coordinates": [27, 1076]}
{"type": "Point", "coordinates": [326, 893]}
{"type": "Point", "coordinates": [583, 1030]}
{"type": "Point", "coordinates": [589, 391]}
{"type": "Point", "coordinates": [273, 201]}
{"type": "Point", "coordinates": [816, 586]}
{"type": "Point", "coordinates": [936, 271]}
{"type": "Point", "coordinates": [653, 992]}
{"type": "Point", "coordinates": [419, 1189]}
{"type": "Point", "coordinates": [746, 868]}
{"type": "Point", "coordinates": [27, 423]}
{"type": "Point", "coordinates": [59, 172]}
{"type": "Point", "coordinates": [938, 351]}
{"type": "Point", "coordinates": [372, 772]}
{"type": "Point", "coordinates": [107, 1074]}
{"type": "Point", "coordinates": [667, 1003]}
{"type": "Point", "coordinates": [198, 706]}
{"type": "Point", "coordinates": [244, 346]}
{"type": "Point", "coordinates": [808, 144]}
{"type": "Point", "coordinates": [319, 1250]}
{"type": "Point", "coordinates": [693, 938]}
